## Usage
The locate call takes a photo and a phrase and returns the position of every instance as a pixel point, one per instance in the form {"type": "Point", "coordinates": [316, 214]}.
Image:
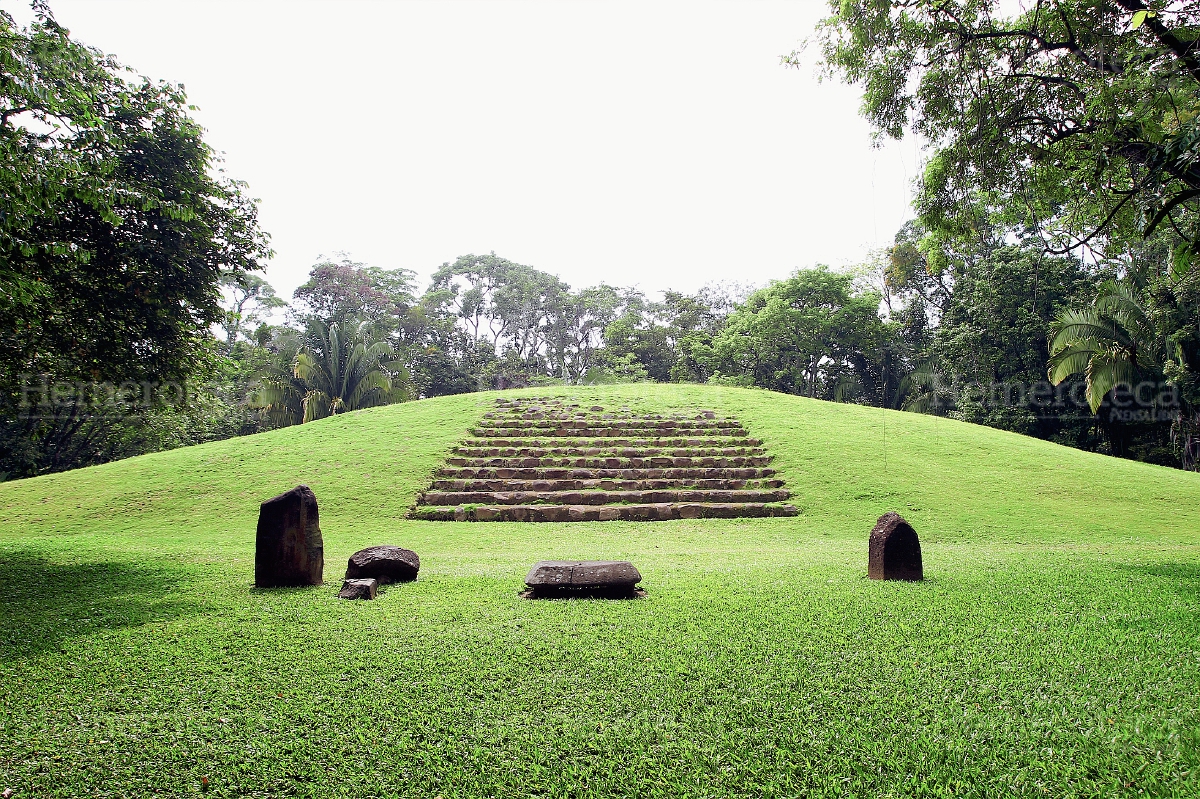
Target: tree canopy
{"type": "Point", "coordinates": [1075, 120]}
{"type": "Point", "coordinates": [1073, 125]}
{"type": "Point", "coordinates": [804, 335]}
{"type": "Point", "coordinates": [1058, 224]}
{"type": "Point", "coordinates": [116, 226]}
{"type": "Point", "coordinates": [341, 289]}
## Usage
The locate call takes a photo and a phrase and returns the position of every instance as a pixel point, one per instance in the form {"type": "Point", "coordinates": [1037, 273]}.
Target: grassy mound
{"type": "Point", "coordinates": [1054, 649]}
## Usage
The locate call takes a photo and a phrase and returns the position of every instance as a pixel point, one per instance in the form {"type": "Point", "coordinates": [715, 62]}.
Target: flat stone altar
{"type": "Point", "coordinates": [598, 579]}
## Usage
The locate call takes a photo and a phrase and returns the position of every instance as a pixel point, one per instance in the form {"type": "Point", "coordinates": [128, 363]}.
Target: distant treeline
{"type": "Point", "coordinates": [973, 343]}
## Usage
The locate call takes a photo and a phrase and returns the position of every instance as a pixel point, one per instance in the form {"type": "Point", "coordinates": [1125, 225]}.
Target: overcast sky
{"type": "Point", "coordinates": [657, 144]}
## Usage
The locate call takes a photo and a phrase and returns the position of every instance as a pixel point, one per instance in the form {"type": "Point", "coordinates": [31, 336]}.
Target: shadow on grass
{"type": "Point", "coordinates": [44, 603]}
{"type": "Point", "coordinates": [1183, 577]}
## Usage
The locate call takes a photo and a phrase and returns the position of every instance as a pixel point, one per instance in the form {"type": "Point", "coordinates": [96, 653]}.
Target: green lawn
{"type": "Point", "coordinates": [1054, 649]}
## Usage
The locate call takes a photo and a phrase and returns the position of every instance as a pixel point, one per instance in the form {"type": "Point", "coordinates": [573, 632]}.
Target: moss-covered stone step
{"type": "Point", "coordinates": [598, 497]}
{"type": "Point", "coordinates": [648, 443]}
{"type": "Point", "coordinates": [605, 452]}
{"type": "Point", "coordinates": [626, 422]}
{"type": "Point", "coordinates": [600, 432]}
{"type": "Point", "coordinates": [603, 432]}
{"type": "Point", "coordinates": [614, 463]}
{"type": "Point", "coordinates": [567, 473]}
{"type": "Point", "coordinates": [536, 459]}
{"type": "Point", "coordinates": [729, 484]}
{"type": "Point", "coordinates": [585, 513]}
{"type": "Point", "coordinates": [702, 426]}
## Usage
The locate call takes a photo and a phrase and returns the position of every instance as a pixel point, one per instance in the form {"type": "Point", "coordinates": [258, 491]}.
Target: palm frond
{"type": "Point", "coordinates": [1106, 371]}
{"type": "Point", "coordinates": [1083, 325]}
{"type": "Point", "coordinates": [922, 388]}
{"type": "Point", "coordinates": [317, 405]}
{"type": "Point", "coordinates": [1070, 361]}
{"type": "Point", "coordinates": [279, 397]}
{"type": "Point", "coordinates": [1110, 342]}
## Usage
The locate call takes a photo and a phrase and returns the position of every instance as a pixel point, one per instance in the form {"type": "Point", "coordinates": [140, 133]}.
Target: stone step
{"type": "Point", "coordinates": [603, 452]}
{"type": "Point", "coordinates": [538, 459]}
{"type": "Point", "coordinates": [585, 513]}
{"type": "Point", "coordinates": [597, 431]}
{"type": "Point", "coordinates": [581, 416]}
{"type": "Point", "coordinates": [613, 463]}
{"type": "Point", "coordinates": [575, 407]}
{"type": "Point", "coordinates": [646, 443]}
{"type": "Point", "coordinates": [707, 496]}
{"type": "Point", "coordinates": [565, 473]}
{"type": "Point", "coordinates": [626, 423]}
{"type": "Point", "coordinates": [732, 484]}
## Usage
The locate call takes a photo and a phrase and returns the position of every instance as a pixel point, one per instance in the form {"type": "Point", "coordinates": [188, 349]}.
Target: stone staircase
{"type": "Point", "coordinates": [552, 460]}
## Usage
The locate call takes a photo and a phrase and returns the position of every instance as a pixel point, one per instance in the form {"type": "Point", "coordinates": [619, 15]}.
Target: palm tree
{"type": "Point", "coordinates": [1113, 342]}
{"type": "Point", "coordinates": [279, 394]}
{"type": "Point", "coordinates": [340, 367]}
{"type": "Point", "coordinates": [926, 389]}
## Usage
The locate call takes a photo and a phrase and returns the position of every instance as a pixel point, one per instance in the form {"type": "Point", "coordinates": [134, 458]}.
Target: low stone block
{"type": "Point", "coordinates": [584, 513]}
{"type": "Point", "coordinates": [359, 589]}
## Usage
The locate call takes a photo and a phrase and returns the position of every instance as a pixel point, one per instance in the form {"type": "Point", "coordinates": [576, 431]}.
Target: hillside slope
{"type": "Point", "coordinates": [845, 465]}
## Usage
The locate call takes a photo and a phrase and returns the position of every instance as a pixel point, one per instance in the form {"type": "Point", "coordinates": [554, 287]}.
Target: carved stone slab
{"type": "Point", "coordinates": [578, 578]}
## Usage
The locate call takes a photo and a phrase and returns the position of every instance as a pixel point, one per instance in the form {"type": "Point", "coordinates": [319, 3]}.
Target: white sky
{"type": "Point", "coordinates": [657, 144]}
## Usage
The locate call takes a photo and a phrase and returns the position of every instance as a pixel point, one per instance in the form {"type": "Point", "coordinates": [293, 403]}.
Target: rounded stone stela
{"type": "Point", "coordinates": [894, 552]}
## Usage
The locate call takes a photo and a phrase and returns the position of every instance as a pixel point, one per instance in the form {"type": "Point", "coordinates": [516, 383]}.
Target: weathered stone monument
{"type": "Point", "coordinates": [894, 553]}
{"type": "Point", "coordinates": [387, 564]}
{"type": "Point", "coordinates": [591, 579]}
{"type": "Point", "coordinates": [288, 550]}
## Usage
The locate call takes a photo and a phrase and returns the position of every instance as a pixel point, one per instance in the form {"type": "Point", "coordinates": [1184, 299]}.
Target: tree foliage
{"type": "Point", "coordinates": [342, 289]}
{"type": "Point", "coordinates": [251, 299]}
{"type": "Point", "coordinates": [116, 228]}
{"type": "Point", "coordinates": [1067, 119]}
{"type": "Point", "coordinates": [1069, 124]}
{"type": "Point", "coordinates": [807, 335]}
{"type": "Point", "coordinates": [340, 367]}
{"type": "Point", "coordinates": [524, 318]}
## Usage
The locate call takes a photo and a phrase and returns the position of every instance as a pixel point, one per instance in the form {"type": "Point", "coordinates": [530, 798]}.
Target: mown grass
{"type": "Point", "coordinates": [1053, 651]}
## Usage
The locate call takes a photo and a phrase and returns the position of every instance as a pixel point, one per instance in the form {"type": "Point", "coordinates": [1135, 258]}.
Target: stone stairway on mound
{"type": "Point", "coordinates": [552, 460]}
